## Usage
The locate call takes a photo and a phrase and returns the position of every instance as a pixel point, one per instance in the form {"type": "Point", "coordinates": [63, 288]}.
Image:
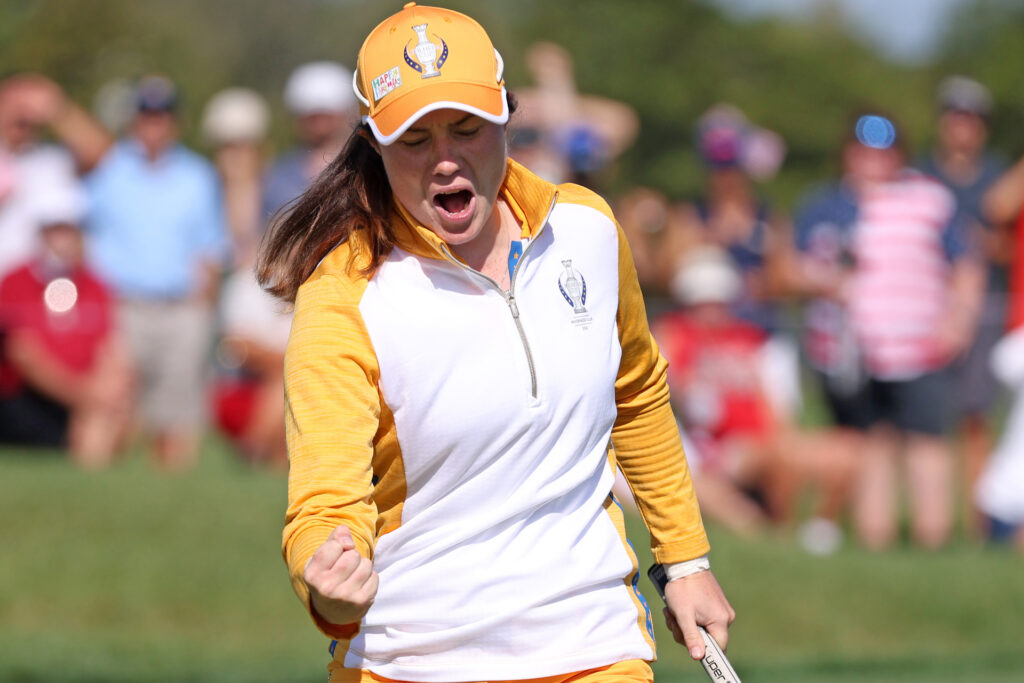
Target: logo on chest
{"type": "Point", "coordinates": [573, 287]}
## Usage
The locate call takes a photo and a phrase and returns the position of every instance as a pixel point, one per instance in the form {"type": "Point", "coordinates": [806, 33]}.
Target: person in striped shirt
{"type": "Point", "coordinates": [911, 294]}
{"type": "Point", "coordinates": [914, 298]}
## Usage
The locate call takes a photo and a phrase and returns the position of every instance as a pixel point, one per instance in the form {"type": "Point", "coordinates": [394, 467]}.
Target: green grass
{"type": "Point", "coordinates": [130, 575]}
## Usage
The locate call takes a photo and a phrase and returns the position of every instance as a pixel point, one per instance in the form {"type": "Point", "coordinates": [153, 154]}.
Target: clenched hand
{"type": "Point", "coordinates": [342, 583]}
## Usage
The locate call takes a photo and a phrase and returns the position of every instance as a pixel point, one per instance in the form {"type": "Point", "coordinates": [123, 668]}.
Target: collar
{"type": "Point", "coordinates": [136, 150]}
{"type": "Point", "coordinates": [527, 195]}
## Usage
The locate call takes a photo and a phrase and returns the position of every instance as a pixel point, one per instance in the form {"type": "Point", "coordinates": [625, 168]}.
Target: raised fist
{"type": "Point", "coordinates": [342, 583]}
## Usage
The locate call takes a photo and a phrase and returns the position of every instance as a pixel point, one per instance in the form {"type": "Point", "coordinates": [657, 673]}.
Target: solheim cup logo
{"type": "Point", "coordinates": [573, 287]}
{"type": "Point", "coordinates": [427, 61]}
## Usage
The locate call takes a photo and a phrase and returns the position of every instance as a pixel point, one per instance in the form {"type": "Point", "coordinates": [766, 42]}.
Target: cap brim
{"type": "Point", "coordinates": [487, 102]}
{"type": "Point", "coordinates": [962, 108]}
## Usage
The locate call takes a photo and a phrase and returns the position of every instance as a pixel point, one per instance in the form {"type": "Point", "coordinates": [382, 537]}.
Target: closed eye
{"type": "Point", "coordinates": [412, 142]}
{"type": "Point", "coordinates": [468, 132]}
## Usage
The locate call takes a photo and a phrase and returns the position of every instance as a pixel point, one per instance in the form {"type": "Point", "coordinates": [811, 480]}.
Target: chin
{"type": "Point", "coordinates": [459, 235]}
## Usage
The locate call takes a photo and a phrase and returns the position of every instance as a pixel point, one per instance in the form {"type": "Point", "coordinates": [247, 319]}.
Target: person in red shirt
{"type": "Point", "coordinates": [1004, 205]}
{"type": "Point", "coordinates": [748, 463]}
{"type": "Point", "coordinates": [63, 382]}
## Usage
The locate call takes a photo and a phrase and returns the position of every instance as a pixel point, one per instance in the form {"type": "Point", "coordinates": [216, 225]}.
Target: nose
{"type": "Point", "coordinates": [446, 159]}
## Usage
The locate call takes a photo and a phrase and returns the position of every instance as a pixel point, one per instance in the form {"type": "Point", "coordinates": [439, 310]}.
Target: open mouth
{"type": "Point", "coordinates": [455, 205]}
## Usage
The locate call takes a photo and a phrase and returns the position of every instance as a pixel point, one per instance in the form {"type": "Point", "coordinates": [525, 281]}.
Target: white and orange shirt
{"type": "Point", "coordinates": [467, 436]}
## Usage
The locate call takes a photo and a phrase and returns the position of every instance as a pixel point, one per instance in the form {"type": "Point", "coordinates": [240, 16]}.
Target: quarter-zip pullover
{"type": "Point", "coordinates": [468, 435]}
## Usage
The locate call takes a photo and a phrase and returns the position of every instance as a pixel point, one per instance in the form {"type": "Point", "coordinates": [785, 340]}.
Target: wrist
{"type": "Point", "coordinates": [679, 570]}
{"type": "Point", "coordinates": [61, 109]}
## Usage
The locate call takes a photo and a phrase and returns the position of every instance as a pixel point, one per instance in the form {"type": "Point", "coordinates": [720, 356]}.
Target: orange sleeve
{"type": "Point", "coordinates": [645, 437]}
{"type": "Point", "coordinates": [332, 413]}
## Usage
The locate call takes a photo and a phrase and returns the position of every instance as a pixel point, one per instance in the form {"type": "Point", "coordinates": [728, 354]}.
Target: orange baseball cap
{"type": "Point", "coordinates": [422, 59]}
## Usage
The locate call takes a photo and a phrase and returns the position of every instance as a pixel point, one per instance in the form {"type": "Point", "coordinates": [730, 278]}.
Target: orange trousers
{"type": "Point", "coordinates": [632, 671]}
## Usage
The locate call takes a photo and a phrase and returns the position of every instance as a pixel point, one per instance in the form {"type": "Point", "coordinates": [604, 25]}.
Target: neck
{"type": "Point", "coordinates": [154, 152]}
{"type": "Point", "coordinates": [13, 146]}
{"type": "Point", "coordinates": [959, 165]}
{"type": "Point", "coordinates": [488, 253]}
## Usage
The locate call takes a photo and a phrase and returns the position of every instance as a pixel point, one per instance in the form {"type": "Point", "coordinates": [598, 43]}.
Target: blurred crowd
{"type": "Point", "coordinates": [894, 290]}
{"type": "Point", "coordinates": [129, 312]}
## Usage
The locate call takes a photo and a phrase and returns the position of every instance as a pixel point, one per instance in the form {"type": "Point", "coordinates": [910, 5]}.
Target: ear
{"type": "Point", "coordinates": [363, 132]}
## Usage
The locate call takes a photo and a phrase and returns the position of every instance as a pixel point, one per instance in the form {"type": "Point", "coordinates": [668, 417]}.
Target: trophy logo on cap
{"type": "Point", "coordinates": [429, 63]}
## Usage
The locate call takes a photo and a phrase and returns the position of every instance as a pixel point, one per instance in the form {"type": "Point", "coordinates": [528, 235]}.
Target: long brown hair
{"type": "Point", "coordinates": [352, 193]}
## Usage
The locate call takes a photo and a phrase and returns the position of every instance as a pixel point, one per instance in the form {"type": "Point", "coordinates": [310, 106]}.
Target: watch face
{"type": "Point", "coordinates": [658, 577]}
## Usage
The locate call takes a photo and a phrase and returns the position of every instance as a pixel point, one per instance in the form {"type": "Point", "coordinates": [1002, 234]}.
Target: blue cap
{"type": "Point", "coordinates": [875, 131]}
{"type": "Point", "coordinates": [156, 94]}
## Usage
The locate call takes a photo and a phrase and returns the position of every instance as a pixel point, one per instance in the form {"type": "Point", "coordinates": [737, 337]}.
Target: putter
{"type": "Point", "coordinates": [716, 664]}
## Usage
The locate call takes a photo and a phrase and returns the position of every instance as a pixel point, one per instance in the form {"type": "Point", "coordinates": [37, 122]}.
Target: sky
{"type": "Point", "coordinates": [905, 30]}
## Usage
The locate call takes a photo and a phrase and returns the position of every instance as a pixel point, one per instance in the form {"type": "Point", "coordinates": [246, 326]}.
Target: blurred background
{"type": "Point", "coordinates": [794, 66]}
{"type": "Point", "coordinates": [844, 332]}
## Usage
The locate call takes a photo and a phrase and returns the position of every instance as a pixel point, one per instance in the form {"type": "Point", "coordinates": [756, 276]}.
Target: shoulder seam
{"type": "Point", "coordinates": [569, 193]}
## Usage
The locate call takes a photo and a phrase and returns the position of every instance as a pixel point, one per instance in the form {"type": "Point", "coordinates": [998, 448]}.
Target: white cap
{"type": "Point", "coordinates": [960, 93]}
{"type": "Point", "coordinates": [61, 204]}
{"type": "Point", "coordinates": [319, 87]}
{"type": "Point", "coordinates": [235, 115]}
{"type": "Point", "coordinates": [706, 275]}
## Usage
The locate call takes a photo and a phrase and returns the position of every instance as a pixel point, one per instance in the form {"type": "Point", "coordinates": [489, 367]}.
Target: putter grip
{"type": "Point", "coordinates": [715, 663]}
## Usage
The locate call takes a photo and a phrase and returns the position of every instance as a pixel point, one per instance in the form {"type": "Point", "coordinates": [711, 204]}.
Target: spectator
{"type": "Point", "coordinates": [561, 134]}
{"type": "Point", "coordinates": [999, 491]}
{"type": "Point", "coordinates": [319, 97]}
{"type": "Point", "coordinates": [749, 466]}
{"type": "Point", "coordinates": [644, 214]}
{"type": "Point", "coordinates": [249, 391]}
{"type": "Point", "coordinates": [250, 404]}
{"type": "Point", "coordinates": [156, 235]}
{"type": "Point", "coordinates": [234, 124]}
{"type": "Point", "coordinates": [62, 382]}
{"type": "Point", "coordinates": [962, 162]}
{"type": "Point", "coordinates": [1004, 203]}
{"type": "Point", "coordinates": [31, 104]}
{"type": "Point", "coordinates": [825, 241]}
{"type": "Point", "coordinates": [912, 298]}
{"type": "Point", "coordinates": [714, 377]}
{"type": "Point", "coordinates": [732, 217]}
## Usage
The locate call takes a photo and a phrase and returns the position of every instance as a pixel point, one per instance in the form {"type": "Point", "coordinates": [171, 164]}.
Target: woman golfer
{"type": "Point", "coordinates": [469, 361]}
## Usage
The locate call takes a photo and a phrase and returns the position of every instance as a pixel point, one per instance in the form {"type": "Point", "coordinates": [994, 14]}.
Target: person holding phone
{"type": "Point", "coordinates": [469, 362]}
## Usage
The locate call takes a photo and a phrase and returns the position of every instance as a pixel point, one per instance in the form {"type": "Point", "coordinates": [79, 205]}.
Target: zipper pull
{"type": "Point", "coordinates": [512, 304]}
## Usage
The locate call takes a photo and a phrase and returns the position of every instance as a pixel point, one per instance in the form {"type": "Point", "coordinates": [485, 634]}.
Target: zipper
{"type": "Point", "coordinates": [509, 294]}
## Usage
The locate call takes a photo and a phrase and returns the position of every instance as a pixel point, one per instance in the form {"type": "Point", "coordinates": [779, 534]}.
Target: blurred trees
{"type": "Point", "coordinates": [203, 46]}
{"type": "Point", "coordinates": [670, 60]}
